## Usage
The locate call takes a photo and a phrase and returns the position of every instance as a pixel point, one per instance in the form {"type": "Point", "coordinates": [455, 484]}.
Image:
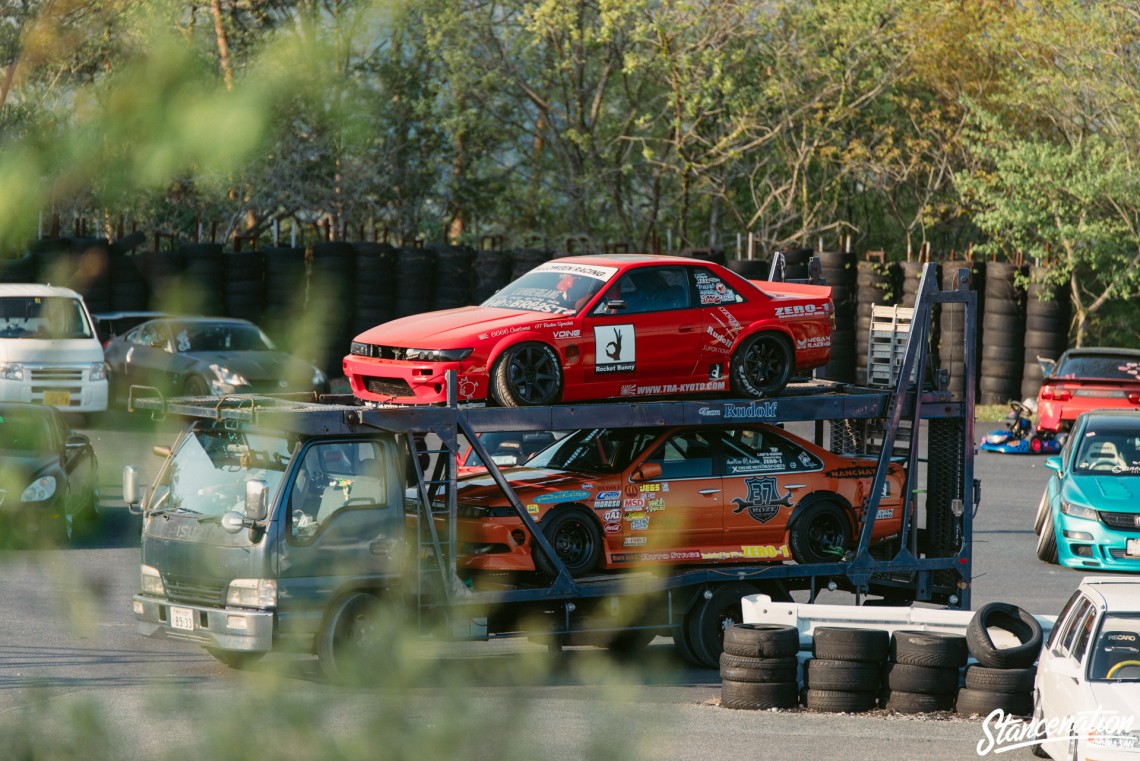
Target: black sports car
{"type": "Point", "coordinates": [202, 356]}
{"type": "Point", "coordinates": [49, 475]}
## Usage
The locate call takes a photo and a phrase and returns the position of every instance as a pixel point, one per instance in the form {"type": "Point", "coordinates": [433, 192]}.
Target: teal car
{"type": "Point", "coordinates": [1089, 516]}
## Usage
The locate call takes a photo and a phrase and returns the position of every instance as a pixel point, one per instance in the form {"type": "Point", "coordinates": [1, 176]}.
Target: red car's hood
{"type": "Point", "coordinates": [452, 328]}
{"type": "Point", "coordinates": [530, 484]}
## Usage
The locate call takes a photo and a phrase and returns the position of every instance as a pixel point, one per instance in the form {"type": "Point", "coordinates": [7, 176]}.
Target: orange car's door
{"type": "Point", "coordinates": [683, 506]}
{"type": "Point", "coordinates": [765, 474]}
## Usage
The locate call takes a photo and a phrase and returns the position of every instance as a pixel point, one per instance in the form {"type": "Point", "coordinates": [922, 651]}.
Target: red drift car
{"type": "Point", "coordinates": [602, 327]}
{"type": "Point", "coordinates": [1088, 379]}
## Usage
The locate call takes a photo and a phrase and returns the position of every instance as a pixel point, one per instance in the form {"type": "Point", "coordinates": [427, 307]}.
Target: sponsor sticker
{"type": "Point", "coordinates": [768, 551]}
{"type": "Point", "coordinates": [615, 349]}
{"type": "Point", "coordinates": [641, 524]}
{"type": "Point", "coordinates": [650, 487]}
{"type": "Point", "coordinates": [634, 541]}
{"type": "Point", "coordinates": [613, 528]}
{"type": "Point", "coordinates": [532, 509]}
{"type": "Point", "coordinates": [884, 514]}
{"type": "Point", "coordinates": [562, 496]}
{"type": "Point", "coordinates": [608, 494]}
{"type": "Point", "coordinates": [611, 515]}
{"type": "Point", "coordinates": [763, 501]}
{"type": "Point", "coordinates": [602, 504]}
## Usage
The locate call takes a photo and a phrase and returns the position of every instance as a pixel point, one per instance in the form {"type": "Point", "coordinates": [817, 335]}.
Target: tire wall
{"type": "Point", "coordinates": [839, 272]}
{"type": "Point", "coordinates": [1003, 334]}
{"type": "Point", "coordinates": [951, 322]}
{"type": "Point", "coordinates": [329, 305]}
{"type": "Point", "coordinates": [911, 275]}
{"type": "Point", "coordinates": [1048, 315]}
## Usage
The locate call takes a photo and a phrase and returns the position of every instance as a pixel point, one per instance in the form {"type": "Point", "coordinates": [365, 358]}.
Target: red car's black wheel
{"type": "Point", "coordinates": [527, 375]}
{"type": "Point", "coordinates": [762, 365]}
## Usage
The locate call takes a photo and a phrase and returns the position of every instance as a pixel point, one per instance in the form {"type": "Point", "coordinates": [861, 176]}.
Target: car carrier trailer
{"type": "Point", "coordinates": [286, 591]}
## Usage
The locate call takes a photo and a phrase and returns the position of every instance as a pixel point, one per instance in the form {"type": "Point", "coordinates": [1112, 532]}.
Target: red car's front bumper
{"type": "Point", "coordinates": [394, 381]}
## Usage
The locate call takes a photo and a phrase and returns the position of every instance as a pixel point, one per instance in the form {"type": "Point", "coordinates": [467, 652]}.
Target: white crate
{"type": "Point", "coordinates": [890, 328]}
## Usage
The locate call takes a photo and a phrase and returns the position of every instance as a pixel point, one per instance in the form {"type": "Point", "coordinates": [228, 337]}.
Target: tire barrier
{"type": "Point", "coordinates": [82, 264]}
{"type": "Point", "coordinates": [453, 277]}
{"type": "Point", "coordinates": [329, 304]}
{"type": "Point", "coordinates": [844, 674]}
{"type": "Point", "coordinates": [492, 272]}
{"type": "Point", "coordinates": [374, 285]}
{"type": "Point", "coordinates": [20, 269]}
{"type": "Point", "coordinates": [1003, 677]}
{"type": "Point", "coordinates": [795, 262]}
{"type": "Point", "coordinates": [1047, 319]}
{"type": "Point", "coordinates": [243, 285]}
{"type": "Point", "coordinates": [286, 281]}
{"type": "Point", "coordinates": [201, 272]}
{"type": "Point", "coordinates": [838, 269]}
{"type": "Point", "coordinates": [951, 326]}
{"type": "Point", "coordinates": [758, 667]}
{"type": "Point", "coordinates": [526, 259]}
{"type": "Point", "coordinates": [750, 269]}
{"type": "Point", "coordinates": [1003, 333]}
{"type": "Point", "coordinates": [415, 281]}
{"type": "Point", "coordinates": [129, 289]}
{"type": "Point", "coordinates": [923, 672]}
{"type": "Point", "coordinates": [876, 284]}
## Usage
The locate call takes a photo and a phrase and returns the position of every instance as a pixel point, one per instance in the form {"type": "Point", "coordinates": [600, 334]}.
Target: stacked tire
{"type": "Point", "coordinates": [525, 259]}
{"type": "Point", "coordinates": [286, 284]}
{"type": "Point", "coordinates": [876, 284]}
{"type": "Point", "coordinates": [329, 306]}
{"type": "Point", "coordinates": [952, 326]}
{"type": "Point", "coordinates": [839, 273]}
{"type": "Point", "coordinates": [415, 281]}
{"type": "Point", "coordinates": [843, 675]}
{"type": "Point", "coordinates": [243, 289]}
{"type": "Point", "coordinates": [201, 272]}
{"type": "Point", "coordinates": [20, 269]}
{"type": "Point", "coordinates": [923, 672]}
{"type": "Point", "coordinates": [1003, 333]}
{"type": "Point", "coordinates": [1003, 677]}
{"type": "Point", "coordinates": [374, 285]}
{"type": "Point", "coordinates": [758, 667]}
{"type": "Point", "coordinates": [796, 262]}
{"type": "Point", "coordinates": [492, 272]}
{"type": "Point", "coordinates": [453, 276]}
{"type": "Point", "coordinates": [750, 269]}
{"type": "Point", "coordinates": [1047, 316]}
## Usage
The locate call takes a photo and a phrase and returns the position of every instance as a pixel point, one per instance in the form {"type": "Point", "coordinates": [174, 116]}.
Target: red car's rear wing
{"type": "Point", "coordinates": [802, 290]}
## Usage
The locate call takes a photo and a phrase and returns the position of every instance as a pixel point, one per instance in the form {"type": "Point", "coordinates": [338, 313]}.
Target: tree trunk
{"type": "Point", "coordinates": [223, 44]}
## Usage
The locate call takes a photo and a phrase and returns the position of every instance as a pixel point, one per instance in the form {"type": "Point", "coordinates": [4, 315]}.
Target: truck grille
{"type": "Point", "coordinates": [182, 589]}
{"type": "Point", "coordinates": [388, 386]}
{"type": "Point", "coordinates": [57, 374]}
{"type": "Point", "coordinates": [1122, 521]}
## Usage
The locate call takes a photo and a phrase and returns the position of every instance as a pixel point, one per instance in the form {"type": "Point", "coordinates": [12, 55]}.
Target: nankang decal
{"type": "Point", "coordinates": [615, 349]}
{"type": "Point", "coordinates": [562, 496]}
{"type": "Point", "coordinates": [763, 501]}
{"type": "Point", "coordinates": [855, 472]}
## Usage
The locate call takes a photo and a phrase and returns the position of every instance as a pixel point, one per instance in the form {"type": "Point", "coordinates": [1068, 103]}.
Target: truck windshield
{"type": "Point", "coordinates": [43, 317]}
{"type": "Point", "coordinates": [210, 469]}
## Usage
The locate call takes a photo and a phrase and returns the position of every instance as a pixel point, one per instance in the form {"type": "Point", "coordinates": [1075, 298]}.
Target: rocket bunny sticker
{"type": "Point", "coordinates": [615, 349]}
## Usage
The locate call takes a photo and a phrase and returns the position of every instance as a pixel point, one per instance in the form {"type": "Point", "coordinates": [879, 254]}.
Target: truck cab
{"type": "Point", "coordinates": [251, 537]}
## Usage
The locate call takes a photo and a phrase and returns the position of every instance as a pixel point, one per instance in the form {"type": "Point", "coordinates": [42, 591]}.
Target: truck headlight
{"type": "Point", "coordinates": [98, 371]}
{"type": "Point", "coordinates": [1079, 511]}
{"type": "Point", "coordinates": [252, 593]}
{"type": "Point", "coordinates": [12, 371]}
{"type": "Point", "coordinates": [151, 581]}
{"type": "Point", "coordinates": [39, 490]}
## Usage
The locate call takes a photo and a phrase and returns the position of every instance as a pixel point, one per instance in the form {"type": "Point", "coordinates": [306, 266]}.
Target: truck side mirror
{"type": "Point", "coordinates": [256, 500]}
{"type": "Point", "coordinates": [130, 485]}
{"type": "Point", "coordinates": [647, 471]}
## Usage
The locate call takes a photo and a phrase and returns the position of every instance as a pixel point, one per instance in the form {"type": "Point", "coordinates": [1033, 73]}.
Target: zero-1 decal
{"type": "Point", "coordinates": [763, 501]}
{"type": "Point", "coordinates": [615, 349]}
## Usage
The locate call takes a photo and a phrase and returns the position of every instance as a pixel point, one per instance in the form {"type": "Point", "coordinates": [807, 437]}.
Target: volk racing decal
{"type": "Point", "coordinates": [615, 349]}
{"type": "Point", "coordinates": [763, 501]}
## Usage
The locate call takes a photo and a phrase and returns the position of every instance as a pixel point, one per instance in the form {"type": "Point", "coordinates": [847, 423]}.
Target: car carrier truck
{"type": "Point", "coordinates": [282, 525]}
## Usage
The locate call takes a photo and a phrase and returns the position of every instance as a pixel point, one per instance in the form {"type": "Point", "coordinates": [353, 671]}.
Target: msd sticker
{"type": "Point", "coordinates": [615, 349]}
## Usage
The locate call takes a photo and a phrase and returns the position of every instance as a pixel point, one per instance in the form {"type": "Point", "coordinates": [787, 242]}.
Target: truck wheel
{"type": "Point", "coordinates": [196, 385]}
{"type": "Point", "coordinates": [684, 645]}
{"type": "Point", "coordinates": [349, 640]}
{"type": "Point", "coordinates": [233, 658]}
{"type": "Point", "coordinates": [820, 534]}
{"type": "Point", "coordinates": [762, 365]}
{"type": "Point", "coordinates": [575, 539]}
{"type": "Point", "coordinates": [710, 618]}
{"type": "Point", "coordinates": [527, 375]}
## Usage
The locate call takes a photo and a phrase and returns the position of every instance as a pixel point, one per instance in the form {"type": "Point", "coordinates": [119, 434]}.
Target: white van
{"type": "Point", "coordinates": [48, 350]}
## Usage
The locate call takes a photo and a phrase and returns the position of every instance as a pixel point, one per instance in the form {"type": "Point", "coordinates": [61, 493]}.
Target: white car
{"type": "Point", "coordinates": [1087, 692]}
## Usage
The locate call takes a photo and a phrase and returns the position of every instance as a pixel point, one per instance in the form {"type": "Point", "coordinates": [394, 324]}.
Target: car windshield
{"type": "Point", "coordinates": [219, 336]}
{"type": "Point", "coordinates": [1116, 452]}
{"type": "Point", "coordinates": [1099, 366]}
{"type": "Point", "coordinates": [24, 431]}
{"type": "Point", "coordinates": [43, 317]}
{"type": "Point", "coordinates": [509, 448]}
{"type": "Point", "coordinates": [1116, 655]}
{"type": "Point", "coordinates": [553, 288]}
{"type": "Point", "coordinates": [598, 450]}
{"type": "Point", "coordinates": [210, 469]}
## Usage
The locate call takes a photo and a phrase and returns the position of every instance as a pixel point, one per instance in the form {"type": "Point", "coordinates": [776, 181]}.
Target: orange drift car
{"type": "Point", "coordinates": [615, 498]}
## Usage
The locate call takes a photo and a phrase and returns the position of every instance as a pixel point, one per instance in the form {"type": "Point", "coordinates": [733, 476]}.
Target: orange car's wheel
{"type": "Point", "coordinates": [576, 540]}
{"type": "Point", "coordinates": [821, 534]}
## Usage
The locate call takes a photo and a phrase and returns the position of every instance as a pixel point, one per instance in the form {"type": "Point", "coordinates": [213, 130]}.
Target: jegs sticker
{"type": "Point", "coordinates": [615, 349]}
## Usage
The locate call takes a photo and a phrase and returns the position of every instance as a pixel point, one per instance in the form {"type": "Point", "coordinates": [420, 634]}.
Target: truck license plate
{"type": "Point", "coordinates": [57, 398]}
{"type": "Point", "coordinates": [1132, 549]}
{"type": "Point", "coordinates": [182, 618]}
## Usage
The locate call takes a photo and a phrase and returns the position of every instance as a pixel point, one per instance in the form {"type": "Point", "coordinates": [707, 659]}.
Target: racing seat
{"type": "Point", "coordinates": [1103, 456]}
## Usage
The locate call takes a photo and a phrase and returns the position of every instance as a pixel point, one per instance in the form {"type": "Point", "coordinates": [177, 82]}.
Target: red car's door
{"type": "Point", "coordinates": [644, 335]}
{"type": "Point", "coordinates": [765, 475]}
